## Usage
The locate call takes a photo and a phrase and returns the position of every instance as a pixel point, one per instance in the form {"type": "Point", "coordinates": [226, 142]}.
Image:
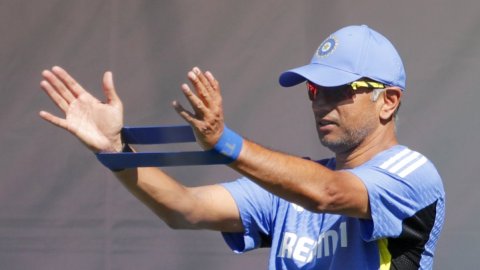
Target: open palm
{"type": "Point", "coordinates": [96, 124]}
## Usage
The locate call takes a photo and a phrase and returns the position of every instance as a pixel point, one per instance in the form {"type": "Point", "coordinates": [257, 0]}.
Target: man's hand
{"type": "Point", "coordinates": [207, 117]}
{"type": "Point", "coordinates": [94, 123]}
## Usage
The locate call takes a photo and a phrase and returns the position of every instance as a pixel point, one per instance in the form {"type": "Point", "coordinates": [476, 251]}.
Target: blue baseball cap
{"type": "Point", "coordinates": [349, 54]}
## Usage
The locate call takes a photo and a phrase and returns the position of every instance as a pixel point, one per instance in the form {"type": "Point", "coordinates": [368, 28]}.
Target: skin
{"type": "Point", "coordinates": [357, 130]}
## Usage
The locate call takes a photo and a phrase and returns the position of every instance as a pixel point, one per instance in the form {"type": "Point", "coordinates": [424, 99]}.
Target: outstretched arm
{"type": "Point", "coordinates": [98, 124]}
{"type": "Point", "coordinates": [301, 181]}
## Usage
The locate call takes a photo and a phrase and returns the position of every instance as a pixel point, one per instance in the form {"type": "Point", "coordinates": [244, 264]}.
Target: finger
{"type": "Point", "coordinates": [57, 121]}
{"type": "Point", "coordinates": [216, 94]}
{"type": "Point", "coordinates": [109, 89]}
{"type": "Point", "coordinates": [186, 115]}
{"type": "Point", "coordinates": [72, 85]}
{"type": "Point", "coordinates": [212, 81]}
{"type": "Point", "coordinates": [201, 84]}
{"type": "Point", "coordinates": [54, 96]}
{"type": "Point", "coordinates": [197, 104]}
{"type": "Point", "coordinates": [58, 86]}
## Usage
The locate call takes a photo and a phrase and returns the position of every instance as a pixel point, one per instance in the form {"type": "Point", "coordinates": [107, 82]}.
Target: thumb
{"type": "Point", "coordinates": [109, 89]}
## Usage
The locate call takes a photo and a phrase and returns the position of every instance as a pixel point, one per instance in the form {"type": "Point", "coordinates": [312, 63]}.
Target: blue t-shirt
{"type": "Point", "coordinates": [407, 202]}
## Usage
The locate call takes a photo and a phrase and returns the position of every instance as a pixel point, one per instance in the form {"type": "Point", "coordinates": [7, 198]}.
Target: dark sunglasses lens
{"type": "Point", "coordinates": [338, 94]}
{"type": "Point", "coordinates": [332, 95]}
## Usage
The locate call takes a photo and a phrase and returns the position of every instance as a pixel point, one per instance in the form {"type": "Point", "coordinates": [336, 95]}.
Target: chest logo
{"type": "Point", "coordinates": [305, 249]}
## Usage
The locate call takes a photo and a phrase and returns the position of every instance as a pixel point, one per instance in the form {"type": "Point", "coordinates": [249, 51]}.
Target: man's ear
{"type": "Point", "coordinates": [391, 101]}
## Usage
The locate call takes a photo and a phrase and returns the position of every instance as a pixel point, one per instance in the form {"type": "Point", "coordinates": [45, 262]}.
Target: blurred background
{"type": "Point", "coordinates": [60, 209]}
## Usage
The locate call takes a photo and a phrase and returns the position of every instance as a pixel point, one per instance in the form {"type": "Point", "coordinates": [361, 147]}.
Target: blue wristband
{"type": "Point", "coordinates": [230, 144]}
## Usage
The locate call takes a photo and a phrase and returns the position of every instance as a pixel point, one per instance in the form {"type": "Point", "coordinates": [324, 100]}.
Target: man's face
{"type": "Point", "coordinates": [343, 118]}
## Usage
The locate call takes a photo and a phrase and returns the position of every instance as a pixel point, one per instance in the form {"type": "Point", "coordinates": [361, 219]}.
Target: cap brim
{"type": "Point", "coordinates": [319, 74]}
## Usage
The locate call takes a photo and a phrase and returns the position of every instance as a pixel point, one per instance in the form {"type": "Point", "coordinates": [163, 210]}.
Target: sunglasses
{"type": "Point", "coordinates": [343, 92]}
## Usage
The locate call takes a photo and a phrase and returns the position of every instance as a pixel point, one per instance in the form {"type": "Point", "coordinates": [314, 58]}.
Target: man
{"type": "Point", "coordinates": [376, 205]}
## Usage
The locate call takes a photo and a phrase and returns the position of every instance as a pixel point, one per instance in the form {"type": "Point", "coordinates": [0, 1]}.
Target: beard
{"type": "Point", "coordinates": [349, 139]}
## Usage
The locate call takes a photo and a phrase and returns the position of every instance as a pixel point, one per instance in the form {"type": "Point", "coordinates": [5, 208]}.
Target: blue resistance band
{"type": "Point", "coordinates": [166, 135]}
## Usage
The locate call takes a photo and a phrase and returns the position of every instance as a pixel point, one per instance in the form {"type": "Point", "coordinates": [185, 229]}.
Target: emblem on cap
{"type": "Point", "coordinates": [327, 46]}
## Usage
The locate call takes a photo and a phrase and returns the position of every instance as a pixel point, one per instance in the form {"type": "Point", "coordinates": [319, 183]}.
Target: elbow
{"type": "Point", "coordinates": [342, 194]}
{"type": "Point", "coordinates": [329, 204]}
{"type": "Point", "coordinates": [328, 200]}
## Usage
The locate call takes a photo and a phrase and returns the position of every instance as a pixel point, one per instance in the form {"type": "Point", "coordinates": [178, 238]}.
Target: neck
{"type": "Point", "coordinates": [373, 144]}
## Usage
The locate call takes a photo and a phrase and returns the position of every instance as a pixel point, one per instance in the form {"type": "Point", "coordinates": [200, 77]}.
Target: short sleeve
{"type": "Point", "coordinates": [394, 196]}
{"type": "Point", "coordinates": [255, 206]}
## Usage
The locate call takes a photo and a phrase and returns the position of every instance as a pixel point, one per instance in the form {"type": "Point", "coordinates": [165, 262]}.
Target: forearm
{"type": "Point", "coordinates": [205, 207]}
{"type": "Point", "coordinates": [167, 198]}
